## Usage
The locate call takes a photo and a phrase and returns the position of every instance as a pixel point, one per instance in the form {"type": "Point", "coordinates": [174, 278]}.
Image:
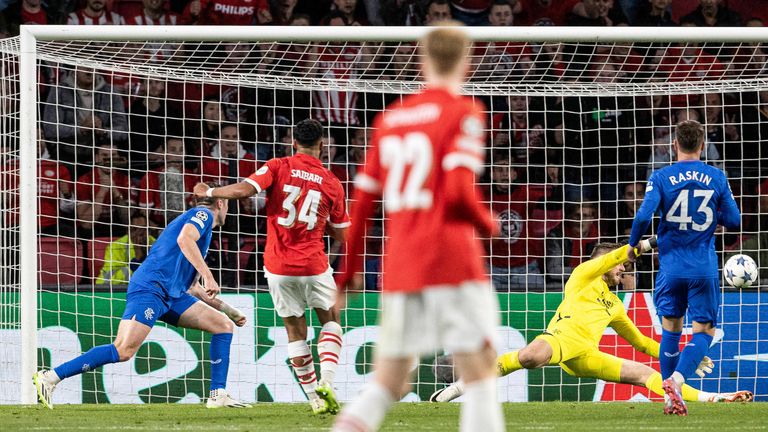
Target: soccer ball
{"type": "Point", "coordinates": [740, 271]}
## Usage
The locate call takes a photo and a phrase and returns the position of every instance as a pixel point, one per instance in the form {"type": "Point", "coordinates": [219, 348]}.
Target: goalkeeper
{"type": "Point", "coordinates": [572, 337]}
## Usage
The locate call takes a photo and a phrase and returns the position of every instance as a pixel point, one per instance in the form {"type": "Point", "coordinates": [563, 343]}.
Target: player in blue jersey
{"type": "Point", "coordinates": [693, 198]}
{"type": "Point", "coordinates": [160, 290]}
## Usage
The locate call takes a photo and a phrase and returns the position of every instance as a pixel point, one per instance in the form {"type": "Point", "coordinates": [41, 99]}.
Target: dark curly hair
{"type": "Point", "coordinates": [308, 132]}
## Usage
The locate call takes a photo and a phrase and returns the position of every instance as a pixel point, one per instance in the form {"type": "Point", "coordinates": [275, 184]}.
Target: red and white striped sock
{"type": "Point", "coordinates": [328, 348]}
{"type": "Point", "coordinates": [304, 366]}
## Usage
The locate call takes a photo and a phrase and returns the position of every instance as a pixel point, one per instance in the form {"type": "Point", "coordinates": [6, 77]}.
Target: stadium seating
{"type": "Point", "coordinates": [96, 249]}
{"type": "Point", "coordinates": [59, 260]}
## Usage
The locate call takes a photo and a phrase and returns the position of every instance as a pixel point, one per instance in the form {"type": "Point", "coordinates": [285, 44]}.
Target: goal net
{"type": "Point", "coordinates": [105, 131]}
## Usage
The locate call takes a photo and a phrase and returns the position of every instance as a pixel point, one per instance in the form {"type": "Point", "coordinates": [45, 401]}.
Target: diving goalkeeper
{"type": "Point", "coordinates": [572, 337]}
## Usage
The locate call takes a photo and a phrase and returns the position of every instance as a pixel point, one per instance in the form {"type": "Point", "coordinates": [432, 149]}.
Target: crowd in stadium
{"type": "Point", "coordinates": [563, 171]}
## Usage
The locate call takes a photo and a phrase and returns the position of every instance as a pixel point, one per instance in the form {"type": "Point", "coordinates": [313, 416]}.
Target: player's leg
{"type": "Point", "coordinates": [140, 314]}
{"type": "Point", "coordinates": [467, 318]}
{"type": "Point", "coordinates": [289, 297]}
{"type": "Point", "coordinates": [188, 312]}
{"type": "Point", "coordinates": [367, 411]}
{"type": "Point", "coordinates": [703, 304]}
{"type": "Point", "coordinates": [670, 300]}
{"type": "Point", "coordinates": [321, 296]}
{"type": "Point", "coordinates": [406, 330]}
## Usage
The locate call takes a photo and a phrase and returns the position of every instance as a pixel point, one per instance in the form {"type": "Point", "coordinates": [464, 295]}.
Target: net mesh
{"type": "Point", "coordinates": [128, 127]}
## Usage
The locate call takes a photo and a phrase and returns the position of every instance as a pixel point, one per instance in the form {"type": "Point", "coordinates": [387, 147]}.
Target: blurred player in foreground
{"type": "Point", "coordinates": [693, 198]}
{"type": "Point", "coordinates": [160, 290]}
{"type": "Point", "coordinates": [572, 337]}
{"type": "Point", "coordinates": [426, 152]}
{"type": "Point", "coordinates": [304, 200]}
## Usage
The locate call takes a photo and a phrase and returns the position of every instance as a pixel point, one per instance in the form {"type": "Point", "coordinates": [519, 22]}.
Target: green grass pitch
{"type": "Point", "coordinates": [555, 416]}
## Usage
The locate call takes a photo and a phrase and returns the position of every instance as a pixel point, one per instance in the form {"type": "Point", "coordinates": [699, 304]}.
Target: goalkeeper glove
{"type": "Point", "coordinates": [705, 367]}
{"type": "Point", "coordinates": [642, 247]}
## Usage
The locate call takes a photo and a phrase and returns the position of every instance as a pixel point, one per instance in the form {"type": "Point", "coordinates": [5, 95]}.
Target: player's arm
{"type": "Point", "coordinates": [628, 330]}
{"type": "Point", "coordinates": [728, 213]}
{"type": "Point", "coordinates": [587, 271]}
{"type": "Point", "coordinates": [338, 220]}
{"type": "Point", "coordinates": [462, 203]}
{"type": "Point", "coordinates": [461, 163]}
{"type": "Point", "coordinates": [217, 303]}
{"type": "Point", "coordinates": [244, 189]}
{"type": "Point", "coordinates": [337, 233]}
{"type": "Point", "coordinates": [645, 213]}
{"type": "Point", "coordinates": [187, 241]}
{"type": "Point", "coordinates": [366, 191]}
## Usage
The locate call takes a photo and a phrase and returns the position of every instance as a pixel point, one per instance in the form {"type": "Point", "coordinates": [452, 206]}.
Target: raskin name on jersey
{"type": "Point", "coordinates": [690, 175]}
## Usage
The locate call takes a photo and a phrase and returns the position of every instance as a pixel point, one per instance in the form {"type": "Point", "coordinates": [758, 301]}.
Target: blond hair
{"type": "Point", "coordinates": [445, 47]}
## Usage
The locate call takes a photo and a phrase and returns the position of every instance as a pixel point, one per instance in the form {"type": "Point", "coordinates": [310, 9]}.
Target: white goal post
{"type": "Point", "coordinates": [111, 47]}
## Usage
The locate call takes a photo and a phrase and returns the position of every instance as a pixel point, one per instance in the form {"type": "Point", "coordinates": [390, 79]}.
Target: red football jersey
{"type": "Point", "coordinates": [302, 196]}
{"type": "Point", "coordinates": [415, 144]}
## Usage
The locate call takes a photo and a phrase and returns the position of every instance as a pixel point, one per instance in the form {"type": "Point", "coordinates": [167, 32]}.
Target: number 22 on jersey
{"type": "Point", "coordinates": [308, 212]}
{"type": "Point", "coordinates": [413, 150]}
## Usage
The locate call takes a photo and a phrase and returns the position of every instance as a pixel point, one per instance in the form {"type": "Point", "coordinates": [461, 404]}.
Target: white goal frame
{"type": "Point", "coordinates": [30, 35]}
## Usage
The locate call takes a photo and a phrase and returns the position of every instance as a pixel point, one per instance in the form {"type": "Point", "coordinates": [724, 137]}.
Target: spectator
{"type": "Point", "coordinates": [572, 241]}
{"type": "Point", "coordinates": [527, 134]}
{"type": "Point", "coordinates": [400, 12]}
{"type": "Point", "coordinates": [153, 13]}
{"type": "Point", "coordinates": [750, 59]}
{"type": "Point", "coordinates": [710, 153]}
{"type": "Point", "coordinates": [283, 12]}
{"type": "Point", "coordinates": [227, 164]}
{"type": "Point", "coordinates": [152, 116]}
{"type": "Point", "coordinates": [300, 20]}
{"type": "Point", "coordinates": [655, 13]}
{"type": "Point", "coordinates": [334, 107]}
{"type": "Point", "coordinates": [94, 13]}
{"type": "Point", "coordinates": [23, 12]}
{"type": "Point", "coordinates": [754, 117]}
{"type": "Point", "coordinates": [663, 153]}
{"type": "Point", "coordinates": [632, 194]}
{"type": "Point", "coordinates": [501, 13]}
{"type": "Point", "coordinates": [347, 8]}
{"type": "Point", "coordinates": [512, 255]}
{"type": "Point", "coordinates": [226, 12]}
{"type": "Point", "coordinates": [124, 255]}
{"type": "Point", "coordinates": [165, 190]}
{"type": "Point", "coordinates": [553, 12]}
{"type": "Point", "coordinates": [211, 115]}
{"type": "Point", "coordinates": [103, 196]}
{"type": "Point", "coordinates": [475, 12]}
{"type": "Point", "coordinates": [83, 110]}
{"type": "Point", "coordinates": [722, 132]}
{"type": "Point", "coordinates": [54, 188]}
{"type": "Point", "coordinates": [228, 161]}
{"type": "Point", "coordinates": [590, 13]}
{"type": "Point", "coordinates": [437, 11]}
{"type": "Point", "coordinates": [713, 13]}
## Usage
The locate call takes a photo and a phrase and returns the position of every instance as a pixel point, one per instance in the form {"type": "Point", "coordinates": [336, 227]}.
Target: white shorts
{"type": "Point", "coordinates": [292, 295]}
{"type": "Point", "coordinates": [457, 319]}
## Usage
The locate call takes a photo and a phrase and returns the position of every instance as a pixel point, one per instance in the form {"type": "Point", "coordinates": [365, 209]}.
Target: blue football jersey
{"type": "Point", "coordinates": [692, 199]}
{"type": "Point", "coordinates": [166, 267]}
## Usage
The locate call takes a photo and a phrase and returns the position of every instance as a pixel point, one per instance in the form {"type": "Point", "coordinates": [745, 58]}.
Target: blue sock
{"type": "Point", "coordinates": [220, 344]}
{"type": "Point", "coordinates": [693, 353]}
{"type": "Point", "coordinates": [669, 352]}
{"type": "Point", "coordinates": [95, 357]}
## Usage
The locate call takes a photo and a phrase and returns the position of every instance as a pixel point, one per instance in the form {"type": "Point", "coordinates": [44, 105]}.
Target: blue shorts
{"type": "Point", "coordinates": [149, 306]}
{"type": "Point", "coordinates": [701, 297]}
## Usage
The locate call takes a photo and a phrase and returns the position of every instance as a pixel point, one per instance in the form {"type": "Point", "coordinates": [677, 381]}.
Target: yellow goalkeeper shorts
{"type": "Point", "coordinates": [594, 364]}
{"type": "Point", "coordinates": [565, 345]}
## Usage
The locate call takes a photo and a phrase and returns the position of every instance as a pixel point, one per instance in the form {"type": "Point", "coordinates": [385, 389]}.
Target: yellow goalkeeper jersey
{"type": "Point", "coordinates": [589, 306]}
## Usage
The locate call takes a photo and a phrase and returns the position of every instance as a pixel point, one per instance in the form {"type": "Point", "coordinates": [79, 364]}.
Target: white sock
{"type": "Point", "coordinates": [480, 410]}
{"type": "Point", "coordinates": [301, 360]}
{"type": "Point", "coordinates": [706, 396]}
{"type": "Point", "coordinates": [678, 377]}
{"type": "Point", "coordinates": [52, 376]}
{"type": "Point", "coordinates": [328, 348]}
{"type": "Point", "coordinates": [366, 412]}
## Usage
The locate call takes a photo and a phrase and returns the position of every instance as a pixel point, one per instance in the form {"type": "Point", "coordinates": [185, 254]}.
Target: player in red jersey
{"type": "Point", "coordinates": [304, 200]}
{"type": "Point", "coordinates": [426, 152]}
